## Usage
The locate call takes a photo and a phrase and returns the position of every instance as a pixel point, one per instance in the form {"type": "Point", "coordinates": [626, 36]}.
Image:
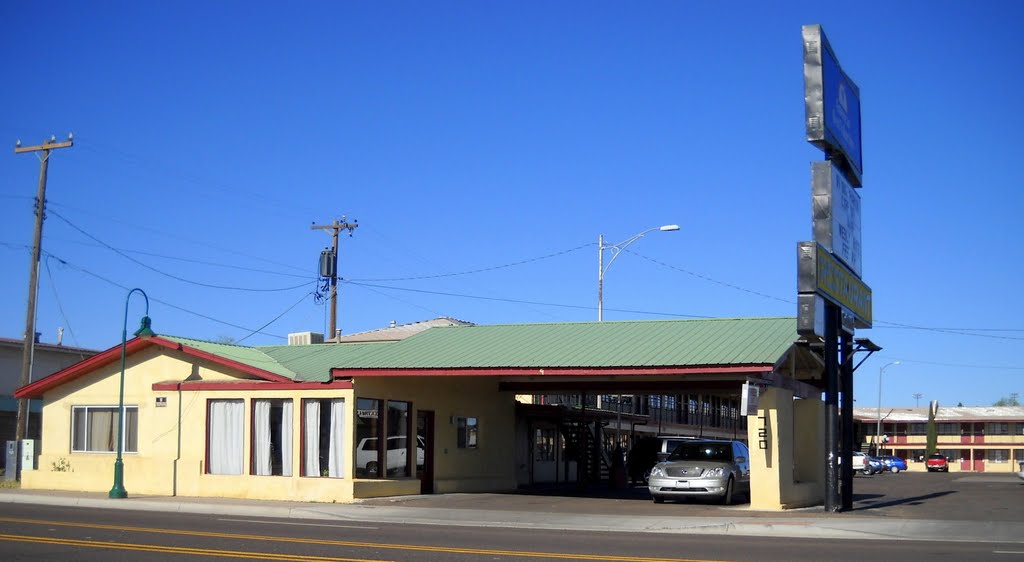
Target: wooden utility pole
{"type": "Point", "coordinates": [33, 273]}
{"type": "Point", "coordinates": [335, 227]}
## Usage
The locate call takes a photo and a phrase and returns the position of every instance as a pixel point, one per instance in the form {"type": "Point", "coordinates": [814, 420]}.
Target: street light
{"type": "Point", "coordinates": [601, 270]}
{"type": "Point", "coordinates": [145, 332]}
{"type": "Point", "coordinates": [616, 250]}
{"type": "Point", "coordinates": [878, 427]}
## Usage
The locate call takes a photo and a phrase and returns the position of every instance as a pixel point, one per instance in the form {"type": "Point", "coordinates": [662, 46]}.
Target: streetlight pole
{"type": "Point", "coordinates": [616, 250]}
{"type": "Point", "coordinates": [144, 331]}
{"type": "Point", "coordinates": [878, 427]}
{"type": "Point", "coordinates": [601, 270]}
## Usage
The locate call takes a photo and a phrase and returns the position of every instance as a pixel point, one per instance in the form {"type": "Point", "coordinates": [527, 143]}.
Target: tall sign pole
{"type": "Point", "coordinates": [833, 301]}
{"type": "Point", "coordinates": [33, 273]}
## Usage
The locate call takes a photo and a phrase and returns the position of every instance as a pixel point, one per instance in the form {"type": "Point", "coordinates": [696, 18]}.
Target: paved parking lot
{"type": "Point", "coordinates": [935, 496]}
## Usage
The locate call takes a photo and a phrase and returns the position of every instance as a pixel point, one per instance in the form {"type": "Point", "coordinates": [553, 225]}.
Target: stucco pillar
{"type": "Point", "coordinates": [788, 472]}
{"type": "Point", "coordinates": [769, 435]}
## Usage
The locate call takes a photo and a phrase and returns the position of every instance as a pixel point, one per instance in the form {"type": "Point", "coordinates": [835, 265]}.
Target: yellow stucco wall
{"type": "Point", "coordinates": [789, 471]}
{"type": "Point", "coordinates": [172, 438]}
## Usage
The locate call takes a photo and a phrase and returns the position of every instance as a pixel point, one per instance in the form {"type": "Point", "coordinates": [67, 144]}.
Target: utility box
{"type": "Point", "coordinates": [11, 464]}
{"type": "Point", "coordinates": [29, 453]}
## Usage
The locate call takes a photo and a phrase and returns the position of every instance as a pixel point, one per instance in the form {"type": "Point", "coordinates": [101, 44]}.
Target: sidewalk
{"type": "Point", "coordinates": [511, 510]}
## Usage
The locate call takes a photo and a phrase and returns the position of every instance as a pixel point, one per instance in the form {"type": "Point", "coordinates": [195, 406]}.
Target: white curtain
{"type": "Point", "coordinates": [336, 462]}
{"type": "Point", "coordinates": [286, 438]}
{"type": "Point", "coordinates": [225, 437]}
{"type": "Point", "coordinates": [312, 438]}
{"type": "Point", "coordinates": [261, 437]}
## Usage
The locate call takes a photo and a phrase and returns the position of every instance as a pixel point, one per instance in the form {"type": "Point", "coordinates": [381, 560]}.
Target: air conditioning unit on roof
{"type": "Point", "coordinates": [305, 338]}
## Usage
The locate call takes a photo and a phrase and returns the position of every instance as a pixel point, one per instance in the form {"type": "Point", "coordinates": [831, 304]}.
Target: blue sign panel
{"type": "Point", "coordinates": [842, 109]}
{"type": "Point", "coordinates": [832, 104]}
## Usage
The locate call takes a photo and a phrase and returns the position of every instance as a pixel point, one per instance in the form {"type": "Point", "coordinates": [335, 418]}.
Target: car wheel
{"type": "Point", "coordinates": [658, 499]}
{"type": "Point", "coordinates": [895, 470]}
{"type": "Point", "coordinates": [371, 468]}
{"type": "Point", "coordinates": [727, 496]}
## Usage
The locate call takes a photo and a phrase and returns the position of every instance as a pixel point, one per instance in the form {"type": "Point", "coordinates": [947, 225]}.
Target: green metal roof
{"type": "Point", "coordinates": [667, 343]}
{"type": "Point", "coordinates": [657, 343]}
{"type": "Point", "coordinates": [252, 356]}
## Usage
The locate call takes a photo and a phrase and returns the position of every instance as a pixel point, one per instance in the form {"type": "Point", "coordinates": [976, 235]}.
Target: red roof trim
{"type": "Point", "coordinates": [39, 387]}
{"type": "Point", "coordinates": [548, 371]}
{"type": "Point", "coordinates": [227, 385]}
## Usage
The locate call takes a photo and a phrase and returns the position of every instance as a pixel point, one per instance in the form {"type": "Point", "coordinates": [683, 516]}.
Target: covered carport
{"type": "Point", "coordinates": [701, 362]}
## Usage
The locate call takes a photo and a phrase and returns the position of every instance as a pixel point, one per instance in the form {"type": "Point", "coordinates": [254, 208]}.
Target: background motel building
{"type": "Point", "coordinates": [974, 439]}
{"type": "Point", "coordinates": [437, 409]}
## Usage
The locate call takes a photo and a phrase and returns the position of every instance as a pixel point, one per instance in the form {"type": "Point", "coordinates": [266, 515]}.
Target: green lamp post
{"type": "Point", "coordinates": [145, 331]}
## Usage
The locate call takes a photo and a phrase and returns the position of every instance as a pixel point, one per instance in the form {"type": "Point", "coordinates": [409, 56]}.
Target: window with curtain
{"type": "Point", "coordinates": [272, 437]}
{"type": "Point", "coordinates": [94, 429]}
{"type": "Point", "coordinates": [323, 437]}
{"type": "Point", "coordinates": [225, 437]}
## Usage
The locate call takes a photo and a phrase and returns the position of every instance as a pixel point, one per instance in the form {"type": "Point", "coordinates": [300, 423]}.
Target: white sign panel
{"type": "Point", "coordinates": [837, 214]}
{"type": "Point", "coordinates": [749, 398]}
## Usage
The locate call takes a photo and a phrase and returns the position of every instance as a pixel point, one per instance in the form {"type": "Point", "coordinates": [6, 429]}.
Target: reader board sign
{"type": "Point", "coordinates": [835, 207]}
{"type": "Point", "coordinates": [821, 273]}
{"type": "Point", "coordinates": [831, 104]}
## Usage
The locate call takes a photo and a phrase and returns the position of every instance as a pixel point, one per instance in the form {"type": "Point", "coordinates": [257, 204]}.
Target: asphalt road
{"type": "Point", "coordinates": [33, 533]}
{"type": "Point", "coordinates": [916, 495]}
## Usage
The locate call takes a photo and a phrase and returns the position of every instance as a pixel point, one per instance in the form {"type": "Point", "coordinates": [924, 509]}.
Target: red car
{"type": "Point", "coordinates": [937, 462]}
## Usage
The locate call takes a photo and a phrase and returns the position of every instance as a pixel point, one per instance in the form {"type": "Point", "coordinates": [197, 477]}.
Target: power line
{"type": "Point", "coordinates": [176, 236]}
{"type": "Point", "coordinates": [165, 303]}
{"type": "Point", "coordinates": [472, 271]}
{"type": "Point", "coordinates": [175, 277]}
{"type": "Point", "coordinates": [519, 301]}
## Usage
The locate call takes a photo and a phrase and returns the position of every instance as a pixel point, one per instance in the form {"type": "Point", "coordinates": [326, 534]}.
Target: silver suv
{"type": "Point", "coordinates": [702, 467]}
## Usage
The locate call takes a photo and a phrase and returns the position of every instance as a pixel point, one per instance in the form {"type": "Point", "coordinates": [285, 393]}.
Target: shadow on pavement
{"type": "Point", "coordinates": [915, 500]}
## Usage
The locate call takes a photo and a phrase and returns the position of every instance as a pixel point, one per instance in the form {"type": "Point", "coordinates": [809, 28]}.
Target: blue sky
{"type": "Point", "coordinates": [484, 146]}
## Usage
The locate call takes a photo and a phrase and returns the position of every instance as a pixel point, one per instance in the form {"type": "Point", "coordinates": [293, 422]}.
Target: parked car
{"type": "Point", "coordinates": [894, 464]}
{"type": "Point", "coordinates": [866, 464]}
{"type": "Point", "coordinates": [366, 454]}
{"type": "Point", "coordinates": [875, 465]}
{"type": "Point", "coordinates": [702, 468]}
{"type": "Point", "coordinates": [937, 462]}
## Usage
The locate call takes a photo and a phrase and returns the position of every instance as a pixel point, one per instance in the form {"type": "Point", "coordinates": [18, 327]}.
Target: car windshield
{"type": "Point", "coordinates": [702, 452]}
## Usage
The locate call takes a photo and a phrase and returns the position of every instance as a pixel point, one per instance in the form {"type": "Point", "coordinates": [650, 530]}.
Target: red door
{"type": "Point", "coordinates": [979, 463]}
{"type": "Point", "coordinates": [965, 460]}
{"type": "Point", "coordinates": [425, 443]}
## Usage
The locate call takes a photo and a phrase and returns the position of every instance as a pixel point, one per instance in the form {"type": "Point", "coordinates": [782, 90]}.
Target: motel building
{"type": "Point", "coordinates": [441, 407]}
{"type": "Point", "coordinates": [974, 439]}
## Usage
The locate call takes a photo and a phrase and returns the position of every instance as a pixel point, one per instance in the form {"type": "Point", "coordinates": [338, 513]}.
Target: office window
{"type": "Point", "coordinates": [323, 430]}
{"type": "Point", "coordinates": [466, 437]}
{"type": "Point", "coordinates": [368, 431]}
{"type": "Point", "coordinates": [225, 437]}
{"type": "Point", "coordinates": [94, 429]}
{"type": "Point", "coordinates": [544, 442]}
{"type": "Point", "coordinates": [272, 437]}
{"type": "Point", "coordinates": [399, 425]}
